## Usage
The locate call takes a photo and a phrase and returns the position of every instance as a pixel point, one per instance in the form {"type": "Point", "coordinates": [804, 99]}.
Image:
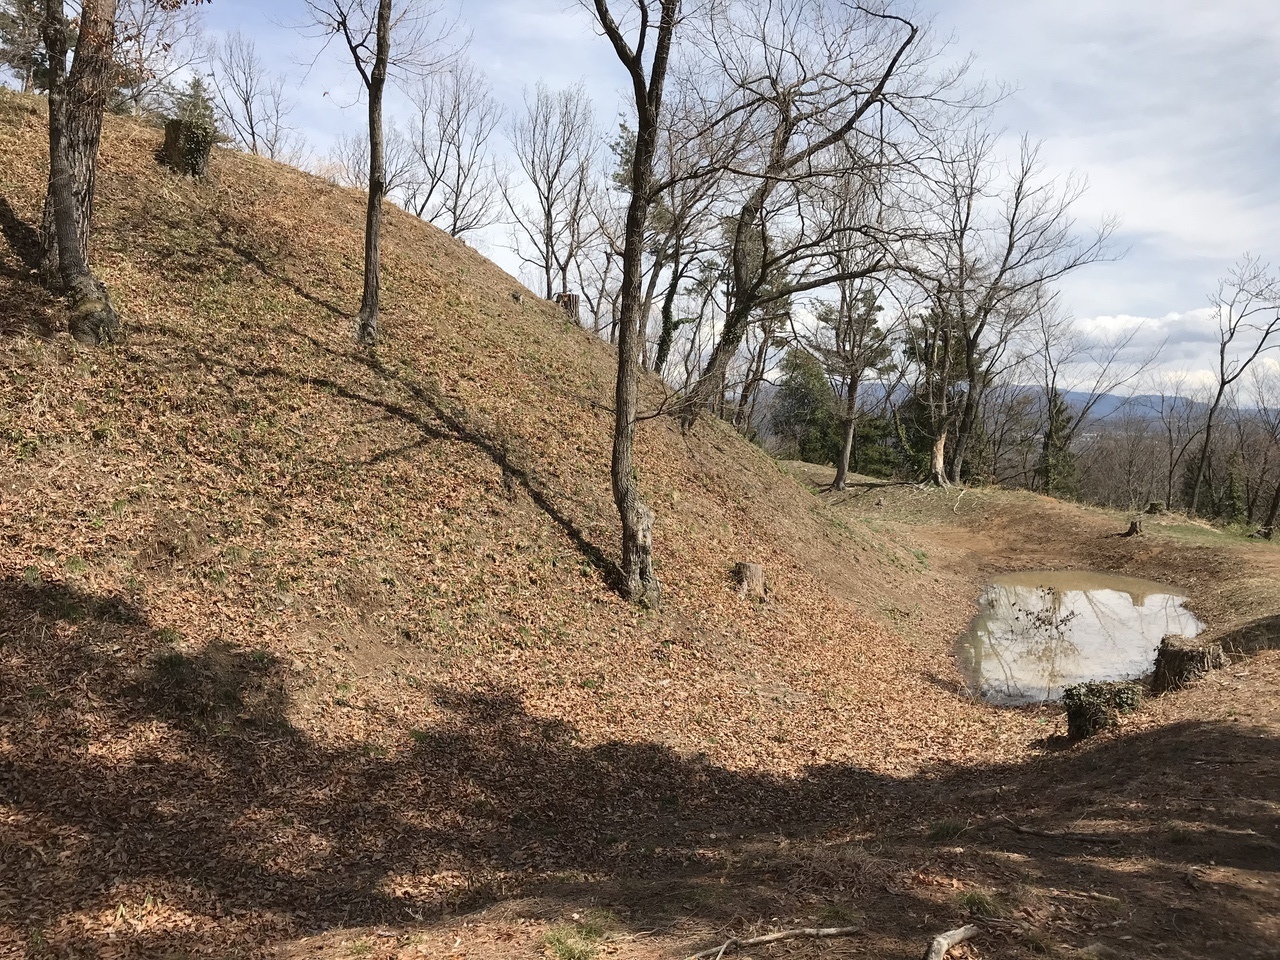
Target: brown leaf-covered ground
{"type": "Point", "coordinates": [306, 652]}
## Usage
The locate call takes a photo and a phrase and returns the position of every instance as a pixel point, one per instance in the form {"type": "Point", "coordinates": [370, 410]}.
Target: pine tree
{"type": "Point", "coordinates": [804, 412]}
{"type": "Point", "coordinates": [1056, 470]}
{"type": "Point", "coordinates": [21, 50]}
{"type": "Point", "coordinates": [193, 105]}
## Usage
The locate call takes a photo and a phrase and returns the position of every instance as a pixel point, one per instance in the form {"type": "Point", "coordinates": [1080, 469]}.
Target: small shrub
{"type": "Point", "coordinates": [168, 635]}
{"type": "Point", "coordinates": [1093, 707]}
{"type": "Point", "coordinates": [1037, 941]}
{"type": "Point", "coordinates": [981, 904]}
{"type": "Point", "coordinates": [840, 915]}
{"type": "Point", "coordinates": [946, 831]}
{"type": "Point", "coordinates": [566, 943]}
{"type": "Point", "coordinates": [174, 667]}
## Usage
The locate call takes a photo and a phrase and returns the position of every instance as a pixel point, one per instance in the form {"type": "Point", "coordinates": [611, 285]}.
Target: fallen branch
{"type": "Point", "coordinates": [1222, 760]}
{"type": "Point", "coordinates": [1060, 835]}
{"type": "Point", "coordinates": [955, 507]}
{"type": "Point", "coordinates": [937, 948]}
{"type": "Point", "coordinates": [810, 932]}
{"type": "Point", "coordinates": [945, 941]}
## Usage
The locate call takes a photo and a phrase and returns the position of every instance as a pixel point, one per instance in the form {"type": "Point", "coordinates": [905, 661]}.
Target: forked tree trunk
{"type": "Point", "coordinates": [850, 435]}
{"type": "Point", "coordinates": [76, 106]}
{"type": "Point", "coordinates": [367, 321]}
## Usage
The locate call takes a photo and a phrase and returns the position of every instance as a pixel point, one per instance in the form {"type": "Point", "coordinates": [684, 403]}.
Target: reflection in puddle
{"type": "Point", "coordinates": [1037, 633]}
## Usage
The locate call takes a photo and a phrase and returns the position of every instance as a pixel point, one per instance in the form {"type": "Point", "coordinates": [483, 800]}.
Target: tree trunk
{"type": "Point", "coordinates": [1204, 449]}
{"type": "Point", "coordinates": [1180, 660]}
{"type": "Point", "coordinates": [76, 106]}
{"type": "Point", "coordinates": [367, 322]}
{"type": "Point", "coordinates": [938, 461]}
{"type": "Point", "coordinates": [964, 432]}
{"type": "Point", "coordinates": [669, 324]}
{"type": "Point", "coordinates": [639, 583]}
{"type": "Point", "coordinates": [1273, 508]}
{"type": "Point", "coordinates": [850, 434]}
{"type": "Point", "coordinates": [750, 580]}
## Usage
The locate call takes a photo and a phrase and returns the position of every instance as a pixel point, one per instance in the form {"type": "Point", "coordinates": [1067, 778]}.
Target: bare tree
{"type": "Point", "coordinates": [367, 28]}
{"type": "Point", "coordinates": [155, 41]}
{"type": "Point", "coordinates": [1247, 309]}
{"type": "Point", "coordinates": [850, 343]}
{"type": "Point", "coordinates": [822, 94]}
{"type": "Point", "coordinates": [1091, 368]}
{"type": "Point", "coordinates": [554, 143]}
{"type": "Point", "coordinates": [1179, 407]}
{"type": "Point", "coordinates": [348, 161]}
{"type": "Point", "coordinates": [998, 241]}
{"type": "Point", "coordinates": [1266, 401]}
{"type": "Point", "coordinates": [654, 21]}
{"type": "Point", "coordinates": [251, 102]}
{"type": "Point", "coordinates": [454, 184]}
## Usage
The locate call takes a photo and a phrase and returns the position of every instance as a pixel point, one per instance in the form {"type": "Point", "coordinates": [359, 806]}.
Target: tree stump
{"type": "Point", "coordinates": [1156, 507]}
{"type": "Point", "coordinates": [750, 580]}
{"type": "Point", "coordinates": [186, 147]}
{"type": "Point", "coordinates": [569, 303]}
{"type": "Point", "coordinates": [1183, 659]}
{"type": "Point", "coordinates": [1135, 528]}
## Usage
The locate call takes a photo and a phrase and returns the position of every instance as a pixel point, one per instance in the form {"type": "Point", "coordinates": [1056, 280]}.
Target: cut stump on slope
{"type": "Point", "coordinates": [750, 580]}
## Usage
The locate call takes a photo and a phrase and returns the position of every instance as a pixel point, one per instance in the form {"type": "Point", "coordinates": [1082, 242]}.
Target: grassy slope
{"type": "Point", "coordinates": [236, 529]}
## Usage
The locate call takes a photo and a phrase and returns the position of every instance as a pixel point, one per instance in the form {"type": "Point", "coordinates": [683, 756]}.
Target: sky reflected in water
{"type": "Point", "coordinates": [1038, 633]}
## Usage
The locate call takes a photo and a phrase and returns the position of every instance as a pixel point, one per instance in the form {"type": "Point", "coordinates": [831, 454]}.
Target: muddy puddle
{"type": "Point", "coordinates": [1037, 633]}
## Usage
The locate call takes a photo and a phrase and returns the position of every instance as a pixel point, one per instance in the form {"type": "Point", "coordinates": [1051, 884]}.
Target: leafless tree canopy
{"type": "Point", "coordinates": [251, 101]}
{"type": "Point", "coordinates": [454, 183]}
{"type": "Point", "coordinates": [347, 163]}
{"type": "Point", "coordinates": [156, 40]}
{"type": "Point", "coordinates": [553, 140]}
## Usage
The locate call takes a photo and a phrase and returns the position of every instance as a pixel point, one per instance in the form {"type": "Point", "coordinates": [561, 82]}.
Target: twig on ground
{"type": "Point", "coordinates": [955, 507]}
{"type": "Point", "coordinates": [733, 943]}
{"type": "Point", "coordinates": [937, 949]}
{"type": "Point", "coordinates": [1060, 835]}
{"type": "Point", "coordinates": [1223, 760]}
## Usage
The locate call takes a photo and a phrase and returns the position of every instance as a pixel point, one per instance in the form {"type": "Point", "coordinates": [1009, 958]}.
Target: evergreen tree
{"type": "Point", "coordinates": [1056, 472]}
{"type": "Point", "coordinates": [804, 414]}
{"type": "Point", "coordinates": [192, 104]}
{"type": "Point", "coordinates": [21, 49]}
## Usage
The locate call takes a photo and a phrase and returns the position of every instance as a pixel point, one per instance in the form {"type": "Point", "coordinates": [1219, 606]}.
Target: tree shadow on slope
{"type": "Point", "coordinates": [1252, 637]}
{"type": "Point", "coordinates": [24, 306]}
{"type": "Point", "coordinates": [436, 419]}
{"type": "Point", "coordinates": [136, 770]}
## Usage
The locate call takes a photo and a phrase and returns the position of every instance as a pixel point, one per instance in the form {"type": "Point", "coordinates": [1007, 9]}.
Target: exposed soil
{"type": "Point", "coordinates": [309, 652]}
